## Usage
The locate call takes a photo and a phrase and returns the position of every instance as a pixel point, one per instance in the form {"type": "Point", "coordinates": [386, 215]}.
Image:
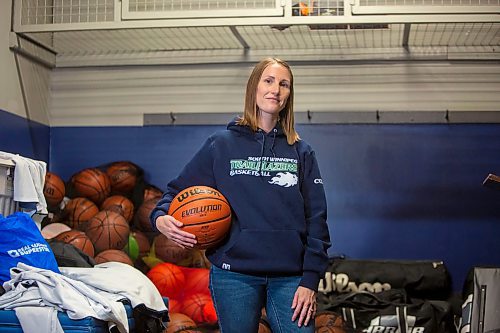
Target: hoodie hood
{"type": "Point", "coordinates": [233, 126]}
{"type": "Point", "coordinates": [267, 140]}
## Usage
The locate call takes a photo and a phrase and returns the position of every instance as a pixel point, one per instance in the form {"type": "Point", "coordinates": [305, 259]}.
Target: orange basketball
{"type": "Point", "coordinates": [205, 213]}
{"type": "Point", "coordinates": [113, 255]}
{"type": "Point", "coordinates": [78, 239]}
{"type": "Point", "coordinates": [152, 192]}
{"type": "Point", "coordinates": [108, 230]}
{"type": "Point", "coordinates": [120, 205]}
{"type": "Point", "coordinates": [53, 189]}
{"type": "Point", "coordinates": [264, 326]}
{"type": "Point", "coordinates": [142, 215]}
{"type": "Point", "coordinates": [329, 322]}
{"type": "Point", "coordinates": [200, 308]}
{"type": "Point", "coordinates": [123, 176]}
{"type": "Point", "coordinates": [167, 250]}
{"type": "Point", "coordinates": [78, 211]}
{"type": "Point", "coordinates": [92, 183]}
{"type": "Point", "coordinates": [179, 322]}
{"type": "Point", "coordinates": [168, 278]}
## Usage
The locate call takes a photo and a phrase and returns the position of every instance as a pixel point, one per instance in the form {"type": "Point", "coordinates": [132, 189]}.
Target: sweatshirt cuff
{"type": "Point", "coordinates": [153, 217]}
{"type": "Point", "coordinates": [310, 280]}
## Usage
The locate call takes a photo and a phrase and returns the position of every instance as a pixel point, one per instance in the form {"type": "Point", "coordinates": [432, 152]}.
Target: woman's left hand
{"type": "Point", "coordinates": [304, 304]}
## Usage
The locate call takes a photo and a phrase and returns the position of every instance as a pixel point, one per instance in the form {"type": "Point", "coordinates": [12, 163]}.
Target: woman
{"type": "Point", "coordinates": [276, 250]}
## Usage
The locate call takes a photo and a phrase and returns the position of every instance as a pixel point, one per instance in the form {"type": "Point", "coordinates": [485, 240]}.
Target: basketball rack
{"type": "Point", "coordinates": [59, 33]}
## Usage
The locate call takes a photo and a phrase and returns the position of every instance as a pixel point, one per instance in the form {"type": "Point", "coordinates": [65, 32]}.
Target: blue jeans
{"type": "Point", "coordinates": [239, 298]}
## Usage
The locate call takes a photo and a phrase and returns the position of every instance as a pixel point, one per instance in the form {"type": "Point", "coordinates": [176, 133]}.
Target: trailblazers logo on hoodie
{"type": "Point", "coordinates": [283, 170]}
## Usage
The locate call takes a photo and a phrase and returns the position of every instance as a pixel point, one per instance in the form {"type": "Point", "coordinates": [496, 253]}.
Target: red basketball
{"type": "Point", "coordinates": [108, 230]}
{"type": "Point", "coordinates": [179, 322]}
{"type": "Point", "coordinates": [53, 189]}
{"type": "Point", "coordinates": [205, 213]}
{"type": "Point", "coordinates": [200, 308]}
{"type": "Point", "coordinates": [174, 305]}
{"type": "Point", "coordinates": [92, 183]}
{"type": "Point", "coordinates": [196, 280]}
{"type": "Point", "coordinates": [168, 278]}
{"type": "Point", "coordinates": [78, 239]}
{"type": "Point", "coordinates": [123, 176]}
{"type": "Point", "coordinates": [167, 250]}
{"type": "Point", "coordinates": [142, 215]}
{"type": "Point", "coordinates": [120, 205]}
{"type": "Point", "coordinates": [113, 255]}
{"type": "Point", "coordinates": [78, 211]}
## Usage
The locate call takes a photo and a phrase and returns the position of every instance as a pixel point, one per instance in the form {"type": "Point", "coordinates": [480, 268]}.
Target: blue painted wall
{"type": "Point", "coordinates": [24, 137]}
{"type": "Point", "coordinates": [394, 191]}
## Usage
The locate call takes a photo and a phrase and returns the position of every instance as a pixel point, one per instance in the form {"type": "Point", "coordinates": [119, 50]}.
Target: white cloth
{"type": "Point", "coordinates": [30, 286]}
{"type": "Point", "coordinates": [29, 179]}
{"type": "Point", "coordinates": [120, 279]}
{"type": "Point", "coordinates": [38, 319]}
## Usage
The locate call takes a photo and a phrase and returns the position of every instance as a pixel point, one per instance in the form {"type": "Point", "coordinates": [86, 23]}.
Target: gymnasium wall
{"type": "Point", "coordinates": [27, 138]}
{"type": "Point", "coordinates": [24, 84]}
{"type": "Point", "coordinates": [395, 191]}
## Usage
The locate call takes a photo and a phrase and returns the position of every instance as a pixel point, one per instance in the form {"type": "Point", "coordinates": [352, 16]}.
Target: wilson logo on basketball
{"type": "Point", "coordinates": [196, 191]}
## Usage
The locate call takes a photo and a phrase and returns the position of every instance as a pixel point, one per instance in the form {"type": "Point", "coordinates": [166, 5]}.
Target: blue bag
{"type": "Point", "coordinates": [22, 241]}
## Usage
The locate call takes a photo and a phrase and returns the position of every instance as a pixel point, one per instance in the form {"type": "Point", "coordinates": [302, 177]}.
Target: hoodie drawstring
{"type": "Point", "coordinates": [263, 144]}
{"type": "Point", "coordinates": [272, 144]}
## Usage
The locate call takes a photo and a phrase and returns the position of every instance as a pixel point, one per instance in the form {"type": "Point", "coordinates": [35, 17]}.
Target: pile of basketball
{"type": "Point", "coordinates": [94, 211]}
{"type": "Point", "coordinates": [188, 294]}
{"type": "Point", "coordinates": [97, 214]}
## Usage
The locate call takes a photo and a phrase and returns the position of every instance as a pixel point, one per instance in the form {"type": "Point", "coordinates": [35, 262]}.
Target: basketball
{"type": "Point", "coordinates": [329, 322]}
{"type": "Point", "coordinates": [120, 205]}
{"type": "Point", "coordinates": [92, 183]}
{"type": "Point", "coordinates": [167, 250]}
{"type": "Point", "coordinates": [264, 326]}
{"type": "Point", "coordinates": [51, 230]}
{"type": "Point", "coordinates": [151, 192]}
{"type": "Point", "coordinates": [196, 280]}
{"type": "Point", "coordinates": [142, 215]}
{"type": "Point", "coordinates": [113, 255]}
{"type": "Point", "coordinates": [174, 305]}
{"type": "Point", "coordinates": [200, 308]}
{"type": "Point", "coordinates": [108, 230]}
{"type": "Point", "coordinates": [78, 239]}
{"type": "Point", "coordinates": [122, 175]}
{"type": "Point", "coordinates": [168, 278]}
{"type": "Point", "coordinates": [205, 213]}
{"type": "Point", "coordinates": [179, 322]}
{"type": "Point", "coordinates": [78, 211]}
{"type": "Point", "coordinates": [197, 259]}
{"type": "Point", "coordinates": [53, 189]}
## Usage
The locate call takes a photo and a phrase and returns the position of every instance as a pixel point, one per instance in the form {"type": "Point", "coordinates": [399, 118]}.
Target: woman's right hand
{"type": "Point", "coordinates": [171, 228]}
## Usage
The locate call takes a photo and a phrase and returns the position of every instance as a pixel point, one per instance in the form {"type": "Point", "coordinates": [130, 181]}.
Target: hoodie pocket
{"type": "Point", "coordinates": [266, 251]}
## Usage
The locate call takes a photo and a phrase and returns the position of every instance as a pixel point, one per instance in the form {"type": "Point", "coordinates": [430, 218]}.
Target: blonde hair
{"type": "Point", "coordinates": [250, 112]}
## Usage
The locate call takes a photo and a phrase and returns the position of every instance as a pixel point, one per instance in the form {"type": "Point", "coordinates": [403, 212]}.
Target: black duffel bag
{"type": "Point", "coordinates": [423, 279]}
{"type": "Point", "coordinates": [390, 311]}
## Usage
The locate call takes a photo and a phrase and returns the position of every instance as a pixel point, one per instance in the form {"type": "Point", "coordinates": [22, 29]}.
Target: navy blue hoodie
{"type": "Point", "coordinates": [277, 199]}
